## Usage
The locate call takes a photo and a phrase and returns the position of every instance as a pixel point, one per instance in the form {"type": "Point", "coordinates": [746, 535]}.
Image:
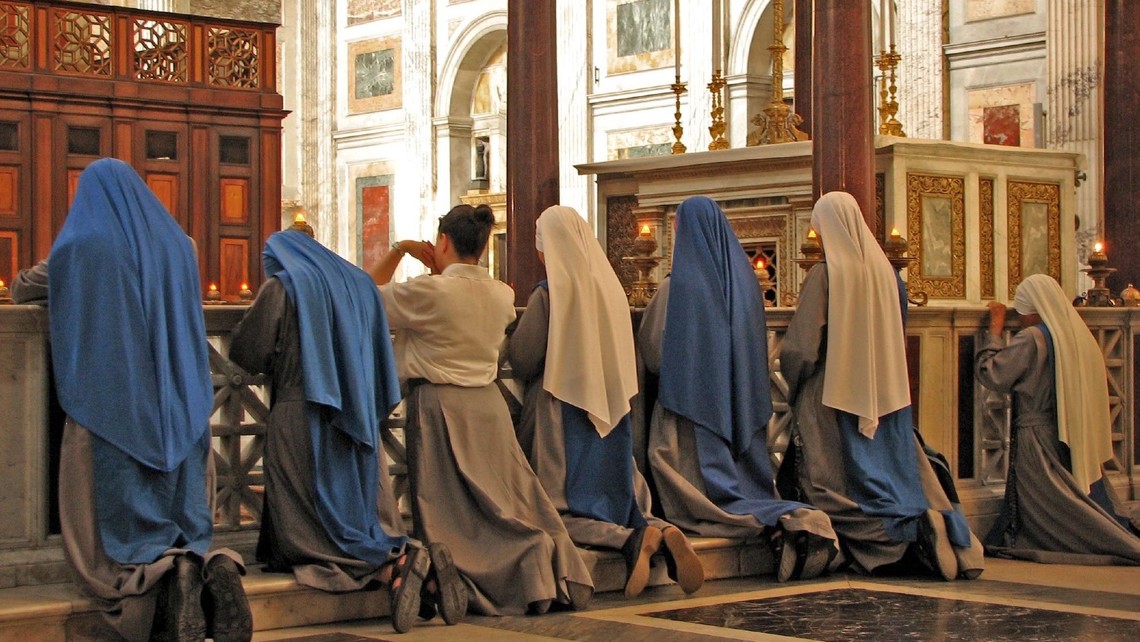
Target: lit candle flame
{"type": "Point", "coordinates": [895, 233]}
{"type": "Point", "coordinates": [811, 233]}
{"type": "Point", "coordinates": [1, 283]}
{"type": "Point", "coordinates": [299, 218]}
{"type": "Point", "coordinates": [760, 263]}
{"type": "Point", "coordinates": [645, 230]}
{"type": "Point", "coordinates": [1098, 247]}
{"type": "Point", "coordinates": [213, 287]}
{"type": "Point", "coordinates": [245, 286]}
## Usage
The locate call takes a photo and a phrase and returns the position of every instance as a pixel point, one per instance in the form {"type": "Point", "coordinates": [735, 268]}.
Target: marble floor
{"type": "Point", "coordinates": [1019, 601]}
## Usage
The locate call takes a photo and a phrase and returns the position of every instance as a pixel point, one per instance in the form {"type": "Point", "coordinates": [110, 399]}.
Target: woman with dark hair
{"type": "Point", "coordinates": [704, 333]}
{"type": "Point", "coordinates": [857, 457]}
{"type": "Point", "coordinates": [472, 487]}
{"type": "Point", "coordinates": [574, 350]}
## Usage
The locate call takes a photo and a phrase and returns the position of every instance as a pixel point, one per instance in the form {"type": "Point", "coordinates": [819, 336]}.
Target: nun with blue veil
{"type": "Point", "coordinates": [136, 473]}
{"type": "Point", "coordinates": [573, 349]}
{"type": "Point", "coordinates": [704, 335]}
{"type": "Point", "coordinates": [856, 454]}
{"type": "Point", "coordinates": [1059, 508]}
{"type": "Point", "coordinates": [330, 516]}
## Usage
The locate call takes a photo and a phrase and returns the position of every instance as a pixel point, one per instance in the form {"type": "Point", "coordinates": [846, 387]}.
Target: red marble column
{"type": "Point", "coordinates": [803, 17]}
{"type": "Point", "coordinates": [532, 134]}
{"type": "Point", "coordinates": [1121, 140]}
{"type": "Point", "coordinates": [843, 146]}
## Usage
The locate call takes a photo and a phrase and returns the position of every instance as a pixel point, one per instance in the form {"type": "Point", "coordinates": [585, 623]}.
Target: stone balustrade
{"type": "Point", "coordinates": [968, 424]}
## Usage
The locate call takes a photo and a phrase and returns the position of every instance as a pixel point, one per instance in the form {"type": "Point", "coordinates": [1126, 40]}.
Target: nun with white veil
{"type": "Point", "coordinates": [1058, 508]}
{"type": "Point", "coordinates": [855, 455]}
{"type": "Point", "coordinates": [573, 349]}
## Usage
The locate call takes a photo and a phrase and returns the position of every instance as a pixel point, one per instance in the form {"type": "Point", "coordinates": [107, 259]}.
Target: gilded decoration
{"type": "Point", "coordinates": [936, 227]}
{"type": "Point", "coordinates": [160, 50]}
{"type": "Point", "coordinates": [82, 42]}
{"type": "Point", "coordinates": [986, 234]}
{"type": "Point", "coordinates": [1027, 239]}
{"type": "Point", "coordinates": [621, 228]}
{"type": "Point", "coordinates": [234, 57]}
{"type": "Point", "coordinates": [15, 47]}
{"type": "Point", "coordinates": [881, 205]}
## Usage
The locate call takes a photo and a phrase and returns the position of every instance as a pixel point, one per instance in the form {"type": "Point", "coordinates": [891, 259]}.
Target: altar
{"type": "Point", "coordinates": [977, 219]}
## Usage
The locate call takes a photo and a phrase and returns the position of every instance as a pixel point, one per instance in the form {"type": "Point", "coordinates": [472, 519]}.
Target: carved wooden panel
{"type": "Point", "coordinates": [9, 191]}
{"type": "Point", "coordinates": [936, 225]}
{"type": "Point", "coordinates": [235, 200]}
{"type": "Point", "coordinates": [9, 255]}
{"type": "Point", "coordinates": [81, 42]}
{"type": "Point", "coordinates": [165, 187]}
{"type": "Point", "coordinates": [72, 184]}
{"type": "Point", "coordinates": [15, 36]}
{"type": "Point", "coordinates": [1034, 231]}
{"type": "Point", "coordinates": [160, 50]}
{"type": "Point", "coordinates": [621, 228]}
{"type": "Point", "coordinates": [234, 57]}
{"type": "Point", "coordinates": [986, 235]}
{"type": "Point", "coordinates": [234, 260]}
{"type": "Point", "coordinates": [1113, 345]}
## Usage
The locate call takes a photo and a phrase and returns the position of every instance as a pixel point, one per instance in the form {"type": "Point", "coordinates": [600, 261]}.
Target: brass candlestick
{"type": "Point", "coordinates": [766, 283]}
{"type": "Point", "coordinates": [301, 225]}
{"type": "Point", "coordinates": [777, 123]}
{"type": "Point", "coordinates": [1099, 296]}
{"type": "Point", "coordinates": [5, 293]}
{"type": "Point", "coordinates": [245, 294]}
{"type": "Point", "coordinates": [888, 62]}
{"type": "Point", "coordinates": [212, 294]}
{"type": "Point", "coordinates": [718, 127]}
{"type": "Point", "coordinates": [643, 289]}
{"type": "Point", "coordinates": [812, 251]}
{"type": "Point", "coordinates": [678, 88]}
{"type": "Point", "coordinates": [895, 249]}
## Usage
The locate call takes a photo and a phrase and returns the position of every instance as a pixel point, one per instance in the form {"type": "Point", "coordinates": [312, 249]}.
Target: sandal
{"type": "Point", "coordinates": [681, 560]}
{"type": "Point", "coordinates": [802, 556]}
{"type": "Point", "coordinates": [449, 595]}
{"type": "Point", "coordinates": [408, 573]}
{"type": "Point", "coordinates": [639, 547]}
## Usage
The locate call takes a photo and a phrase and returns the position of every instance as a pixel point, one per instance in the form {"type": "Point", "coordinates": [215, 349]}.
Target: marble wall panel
{"type": "Point", "coordinates": [1034, 238]}
{"type": "Point", "coordinates": [375, 78]}
{"type": "Point", "coordinates": [989, 9]}
{"type": "Point", "coordinates": [639, 35]}
{"type": "Point", "coordinates": [1002, 115]}
{"type": "Point", "coordinates": [359, 11]}
{"type": "Point", "coordinates": [639, 143]}
{"type": "Point", "coordinates": [936, 227]}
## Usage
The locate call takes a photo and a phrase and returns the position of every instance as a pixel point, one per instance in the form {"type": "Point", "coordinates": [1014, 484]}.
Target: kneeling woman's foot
{"type": "Point", "coordinates": [228, 618]}
{"type": "Point", "coordinates": [934, 545]}
{"type": "Point", "coordinates": [179, 615]}
{"type": "Point", "coordinates": [444, 590]}
{"type": "Point", "coordinates": [802, 555]}
{"type": "Point", "coordinates": [683, 564]}
{"type": "Point", "coordinates": [408, 573]}
{"type": "Point", "coordinates": [579, 595]}
{"type": "Point", "coordinates": [639, 547]}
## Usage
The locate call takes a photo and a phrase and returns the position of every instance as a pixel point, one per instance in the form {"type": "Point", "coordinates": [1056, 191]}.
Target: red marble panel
{"type": "Point", "coordinates": [374, 220]}
{"type": "Point", "coordinates": [1002, 125]}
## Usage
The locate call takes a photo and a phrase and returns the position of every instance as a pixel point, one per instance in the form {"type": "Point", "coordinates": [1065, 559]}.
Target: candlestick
{"type": "Point", "coordinates": [644, 259]}
{"type": "Point", "coordinates": [301, 225]}
{"type": "Point", "coordinates": [678, 88]}
{"type": "Point", "coordinates": [212, 294]}
{"type": "Point", "coordinates": [1098, 271]}
{"type": "Point", "coordinates": [677, 39]}
{"type": "Point", "coordinates": [777, 123]}
{"type": "Point", "coordinates": [888, 63]}
{"type": "Point", "coordinates": [245, 294]}
{"type": "Point", "coordinates": [718, 126]}
{"type": "Point", "coordinates": [765, 281]}
{"type": "Point", "coordinates": [5, 293]}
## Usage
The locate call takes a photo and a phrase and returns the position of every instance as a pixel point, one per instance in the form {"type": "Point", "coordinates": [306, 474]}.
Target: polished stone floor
{"type": "Point", "coordinates": [1013, 601]}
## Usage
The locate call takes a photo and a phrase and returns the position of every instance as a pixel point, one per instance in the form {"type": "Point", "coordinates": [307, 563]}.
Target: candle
{"type": "Point", "coordinates": [677, 38]}
{"type": "Point", "coordinates": [717, 33]}
{"type": "Point", "coordinates": [299, 218]}
{"type": "Point", "coordinates": [212, 294]}
{"type": "Point", "coordinates": [882, 25]}
{"type": "Point", "coordinates": [1098, 247]}
{"type": "Point", "coordinates": [244, 293]}
{"type": "Point", "coordinates": [895, 233]}
{"type": "Point", "coordinates": [645, 230]}
{"type": "Point", "coordinates": [759, 263]}
{"type": "Point", "coordinates": [811, 233]}
{"type": "Point", "coordinates": [891, 18]}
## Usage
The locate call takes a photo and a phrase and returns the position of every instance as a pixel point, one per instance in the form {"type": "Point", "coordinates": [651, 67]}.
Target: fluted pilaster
{"type": "Point", "coordinates": [919, 38]}
{"type": "Point", "coordinates": [315, 59]}
{"type": "Point", "coordinates": [574, 124]}
{"type": "Point", "coordinates": [417, 168]}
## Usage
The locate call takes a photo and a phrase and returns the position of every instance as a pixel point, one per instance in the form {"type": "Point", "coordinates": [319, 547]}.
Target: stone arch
{"type": "Point", "coordinates": [474, 43]}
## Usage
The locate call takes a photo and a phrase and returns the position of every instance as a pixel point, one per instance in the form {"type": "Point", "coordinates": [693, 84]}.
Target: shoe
{"type": "Point", "coordinates": [228, 618]}
{"type": "Point", "coordinates": [408, 573]}
{"type": "Point", "coordinates": [579, 595]}
{"type": "Point", "coordinates": [803, 556]}
{"type": "Point", "coordinates": [450, 594]}
{"type": "Point", "coordinates": [682, 561]}
{"type": "Point", "coordinates": [639, 547]}
{"type": "Point", "coordinates": [934, 545]}
{"type": "Point", "coordinates": [179, 616]}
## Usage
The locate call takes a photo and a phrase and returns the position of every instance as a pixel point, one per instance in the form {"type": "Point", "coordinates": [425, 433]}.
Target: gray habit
{"type": "Point", "coordinates": [1045, 517]}
{"type": "Point", "coordinates": [474, 491]}
{"type": "Point", "coordinates": [541, 436]}
{"type": "Point", "coordinates": [292, 535]}
{"type": "Point", "coordinates": [821, 471]}
{"type": "Point", "coordinates": [676, 468]}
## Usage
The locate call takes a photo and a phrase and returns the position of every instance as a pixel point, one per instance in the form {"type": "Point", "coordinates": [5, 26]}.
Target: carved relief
{"type": "Point", "coordinates": [621, 227]}
{"type": "Point", "coordinates": [82, 42]}
{"type": "Point", "coordinates": [234, 57]}
{"type": "Point", "coordinates": [15, 51]}
{"type": "Point", "coordinates": [936, 227]}
{"type": "Point", "coordinates": [986, 235]}
{"type": "Point", "coordinates": [1034, 231]}
{"type": "Point", "coordinates": [160, 50]}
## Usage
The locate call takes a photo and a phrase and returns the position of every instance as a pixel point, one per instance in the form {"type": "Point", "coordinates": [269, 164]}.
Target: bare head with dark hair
{"type": "Point", "coordinates": [468, 229]}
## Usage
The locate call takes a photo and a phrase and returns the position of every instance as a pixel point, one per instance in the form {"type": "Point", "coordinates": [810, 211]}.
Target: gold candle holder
{"type": "Point", "coordinates": [245, 294]}
{"type": "Point", "coordinates": [301, 225]}
{"type": "Point", "coordinates": [764, 278]}
{"type": "Point", "coordinates": [895, 248]}
{"type": "Point", "coordinates": [212, 294]}
{"type": "Point", "coordinates": [812, 251]}
{"type": "Point", "coordinates": [888, 62]}
{"type": "Point", "coordinates": [644, 247]}
{"type": "Point", "coordinates": [678, 88]}
{"type": "Point", "coordinates": [777, 123]}
{"type": "Point", "coordinates": [5, 293]}
{"type": "Point", "coordinates": [1099, 296]}
{"type": "Point", "coordinates": [718, 127]}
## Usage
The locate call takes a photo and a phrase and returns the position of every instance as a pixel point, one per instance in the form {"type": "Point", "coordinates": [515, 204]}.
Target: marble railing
{"type": "Point", "coordinates": [968, 424]}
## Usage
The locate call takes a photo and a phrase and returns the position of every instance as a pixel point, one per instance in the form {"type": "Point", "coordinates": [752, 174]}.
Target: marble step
{"type": "Point", "coordinates": [53, 612]}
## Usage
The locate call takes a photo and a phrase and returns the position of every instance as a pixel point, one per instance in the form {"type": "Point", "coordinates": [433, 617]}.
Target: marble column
{"type": "Point", "coordinates": [922, 96]}
{"type": "Point", "coordinates": [1122, 137]}
{"type": "Point", "coordinates": [843, 145]}
{"type": "Point", "coordinates": [1073, 78]}
{"type": "Point", "coordinates": [315, 59]}
{"type": "Point", "coordinates": [416, 174]}
{"type": "Point", "coordinates": [575, 77]}
{"type": "Point", "coordinates": [804, 22]}
{"type": "Point", "coordinates": [532, 134]}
